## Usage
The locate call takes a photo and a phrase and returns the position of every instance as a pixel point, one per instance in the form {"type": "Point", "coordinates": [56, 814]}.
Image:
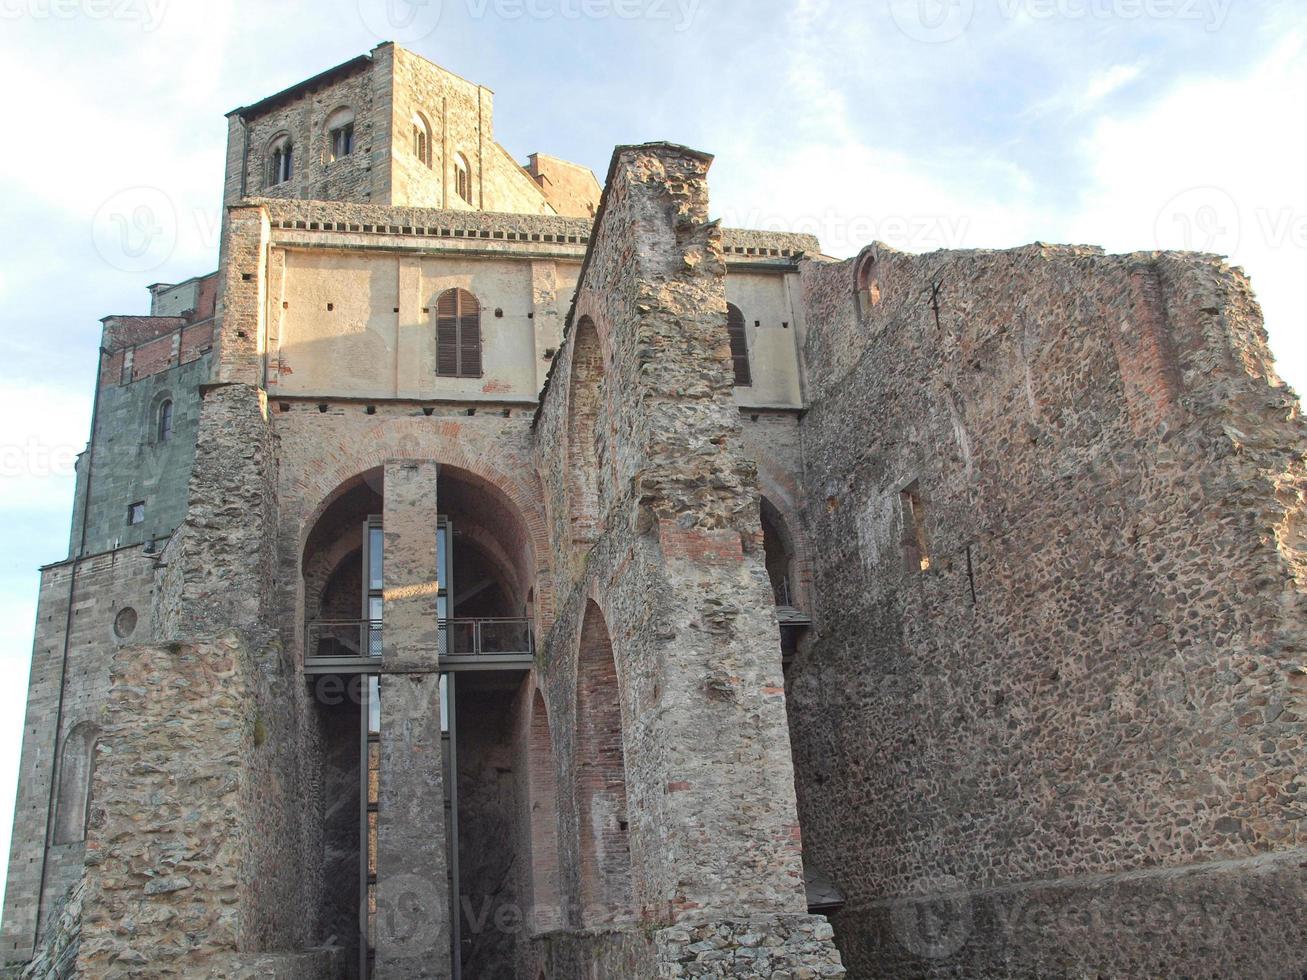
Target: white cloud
{"type": "Point", "coordinates": [1215, 165]}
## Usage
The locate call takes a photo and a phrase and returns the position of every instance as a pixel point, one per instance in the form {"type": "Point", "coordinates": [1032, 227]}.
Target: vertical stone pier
{"type": "Point", "coordinates": [413, 901]}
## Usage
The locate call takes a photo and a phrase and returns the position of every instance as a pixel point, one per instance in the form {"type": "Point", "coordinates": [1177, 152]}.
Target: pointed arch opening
{"type": "Point", "coordinates": [600, 767]}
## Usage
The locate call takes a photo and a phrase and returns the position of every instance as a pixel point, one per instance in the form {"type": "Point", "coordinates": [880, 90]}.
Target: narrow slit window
{"type": "Point", "coordinates": [916, 552]}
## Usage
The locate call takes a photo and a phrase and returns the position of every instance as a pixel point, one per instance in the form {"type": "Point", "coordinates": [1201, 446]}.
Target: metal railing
{"type": "Point", "coordinates": [464, 639]}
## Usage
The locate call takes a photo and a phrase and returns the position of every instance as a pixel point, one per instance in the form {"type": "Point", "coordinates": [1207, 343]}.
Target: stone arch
{"type": "Point", "coordinates": [542, 773]}
{"type": "Point", "coordinates": [585, 395]}
{"type": "Point", "coordinates": [76, 770]}
{"type": "Point", "coordinates": [599, 765]}
{"type": "Point", "coordinates": [786, 518]}
{"type": "Point", "coordinates": [866, 279]}
{"type": "Point", "coordinates": [323, 481]}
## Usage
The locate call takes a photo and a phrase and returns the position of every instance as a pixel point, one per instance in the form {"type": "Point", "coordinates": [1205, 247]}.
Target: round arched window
{"type": "Point", "coordinates": [463, 177]}
{"type": "Point", "coordinates": [281, 160]}
{"type": "Point", "coordinates": [340, 134]}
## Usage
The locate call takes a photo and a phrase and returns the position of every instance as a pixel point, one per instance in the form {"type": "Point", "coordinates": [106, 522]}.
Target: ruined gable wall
{"type": "Point", "coordinates": [1099, 673]}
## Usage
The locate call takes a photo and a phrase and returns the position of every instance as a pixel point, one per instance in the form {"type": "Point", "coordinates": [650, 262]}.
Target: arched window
{"type": "Point", "coordinates": [340, 134]}
{"type": "Point", "coordinates": [281, 160]}
{"type": "Point", "coordinates": [422, 138]}
{"type": "Point", "coordinates": [739, 346]}
{"type": "Point", "coordinates": [76, 768]}
{"type": "Point", "coordinates": [867, 282]}
{"type": "Point", "coordinates": [163, 431]}
{"type": "Point", "coordinates": [462, 177]}
{"type": "Point", "coordinates": [458, 335]}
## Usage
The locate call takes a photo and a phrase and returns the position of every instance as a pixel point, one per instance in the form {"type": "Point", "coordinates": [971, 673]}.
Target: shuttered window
{"type": "Point", "coordinates": [739, 346]}
{"type": "Point", "coordinates": [458, 335]}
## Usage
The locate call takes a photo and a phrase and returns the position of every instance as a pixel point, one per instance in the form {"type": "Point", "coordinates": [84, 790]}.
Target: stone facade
{"type": "Point", "coordinates": [973, 620]}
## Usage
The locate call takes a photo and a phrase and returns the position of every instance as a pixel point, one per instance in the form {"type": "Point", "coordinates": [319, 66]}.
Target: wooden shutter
{"type": "Point", "coordinates": [458, 335]}
{"type": "Point", "coordinates": [469, 336]}
{"type": "Point", "coordinates": [739, 346]}
{"type": "Point", "coordinates": [447, 334]}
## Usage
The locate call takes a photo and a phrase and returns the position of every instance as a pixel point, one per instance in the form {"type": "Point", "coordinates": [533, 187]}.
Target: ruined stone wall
{"type": "Point", "coordinates": [111, 606]}
{"type": "Point", "coordinates": [1060, 570]}
{"type": "Point", "coordinates": [687, 608]}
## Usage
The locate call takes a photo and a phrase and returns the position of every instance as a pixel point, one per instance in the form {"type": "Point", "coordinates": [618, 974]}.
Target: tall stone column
{"type": "Point", "coordinates": [413, 901]}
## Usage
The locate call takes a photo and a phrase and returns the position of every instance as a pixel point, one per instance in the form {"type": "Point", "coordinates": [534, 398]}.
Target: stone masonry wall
{"type": "Point", "coordinates": [1057, 505]}
{"type": "Point", "coordinates": [111, 606]}
{"type": "Point", "coordinates": [165, 855]}
{"type": "Point", "coordinates": [713, 833]}
{"type": "Point", "coordinates": [356, 177]}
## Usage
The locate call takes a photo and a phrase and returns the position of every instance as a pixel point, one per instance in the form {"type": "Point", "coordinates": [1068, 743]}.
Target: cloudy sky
{"type": "Point", "coordinates": [1134, 124]}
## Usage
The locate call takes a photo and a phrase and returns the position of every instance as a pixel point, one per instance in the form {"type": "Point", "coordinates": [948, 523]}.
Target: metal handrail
{"type": "Point", "coordinates": [361, 639]}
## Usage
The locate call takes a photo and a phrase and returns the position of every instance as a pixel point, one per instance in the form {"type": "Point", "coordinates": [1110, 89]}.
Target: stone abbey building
{"type": "Point", "coordinates": [487, 574]}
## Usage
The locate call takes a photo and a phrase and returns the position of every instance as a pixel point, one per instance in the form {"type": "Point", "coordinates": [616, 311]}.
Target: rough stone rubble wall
{"type": "Point", "coordinates": [677, 573]}
{"type": "Point", "coordinates": [1100, 672]}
